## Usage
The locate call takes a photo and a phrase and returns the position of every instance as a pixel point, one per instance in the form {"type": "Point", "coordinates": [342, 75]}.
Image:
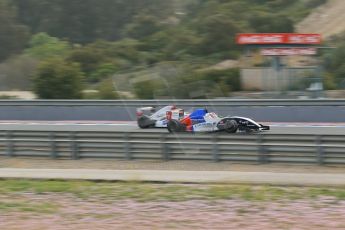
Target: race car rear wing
{"type": "Point", "coordinates": [142, 110]}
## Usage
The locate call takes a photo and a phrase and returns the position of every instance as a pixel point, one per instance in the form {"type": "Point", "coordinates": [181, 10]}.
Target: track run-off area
{"type": "Point", "coordinates": [306, 177]}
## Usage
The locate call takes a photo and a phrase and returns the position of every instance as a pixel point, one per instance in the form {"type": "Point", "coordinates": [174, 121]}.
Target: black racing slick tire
{"type": "Point", "coordinates": [175, 126]}
{"type": "Point", "coordinates": [145, 122]}
{"type": "Point", "coordinates": [230, 126]}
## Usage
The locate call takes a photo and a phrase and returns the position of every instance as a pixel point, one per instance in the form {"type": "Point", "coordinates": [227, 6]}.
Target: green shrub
{"type": "Point", "coordinates": [106, 90]}
{"type": "Point", "coordinates": [58, 79]}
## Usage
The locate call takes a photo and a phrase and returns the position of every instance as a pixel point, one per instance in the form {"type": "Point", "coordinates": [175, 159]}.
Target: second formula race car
{"type": "Point", "coordinates": [148, 117]}
{"type": "Point", "coordinates": [201, 120]}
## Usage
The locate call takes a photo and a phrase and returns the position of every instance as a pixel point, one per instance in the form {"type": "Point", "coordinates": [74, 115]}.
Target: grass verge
{"type": "Point", "coordinates": [167, 192]}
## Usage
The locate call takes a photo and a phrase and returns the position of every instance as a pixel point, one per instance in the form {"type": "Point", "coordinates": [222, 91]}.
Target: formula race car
{"type": "Point", "coordinates": [148, 117]}
{"type": "Point", "coordinates": [201, 120]}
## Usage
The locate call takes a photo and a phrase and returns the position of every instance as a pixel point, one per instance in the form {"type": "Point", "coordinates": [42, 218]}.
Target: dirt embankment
{"type": "Point", "coordinates": [328, 19]}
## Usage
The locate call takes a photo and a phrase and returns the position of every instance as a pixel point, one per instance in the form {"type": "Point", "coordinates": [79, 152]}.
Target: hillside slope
{"type": "Point", "coordinates": [328, 19]}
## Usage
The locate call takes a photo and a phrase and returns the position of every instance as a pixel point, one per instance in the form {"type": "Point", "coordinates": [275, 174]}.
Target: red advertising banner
{"type": "Point", "coordinates": [288, 51]}
{"type": "Point", "coordinates": [278, 38]}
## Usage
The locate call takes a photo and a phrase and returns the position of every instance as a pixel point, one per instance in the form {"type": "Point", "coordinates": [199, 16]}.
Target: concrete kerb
{"type": "Point", "coordinates": [167, 176]}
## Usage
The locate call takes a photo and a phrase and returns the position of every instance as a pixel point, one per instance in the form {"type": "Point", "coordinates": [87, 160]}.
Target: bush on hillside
{"type": "Point", "coordinates": [58, 79]}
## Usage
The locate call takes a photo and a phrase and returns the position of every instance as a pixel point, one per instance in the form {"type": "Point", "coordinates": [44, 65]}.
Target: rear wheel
{"type": "Point", "coordinates": [144, 122]}
{"type": "Point", "coordinates": [231, 126]}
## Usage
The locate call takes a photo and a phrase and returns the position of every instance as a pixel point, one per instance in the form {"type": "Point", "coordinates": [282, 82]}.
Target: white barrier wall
{"type": "Point", "coordinates": [268, 79]}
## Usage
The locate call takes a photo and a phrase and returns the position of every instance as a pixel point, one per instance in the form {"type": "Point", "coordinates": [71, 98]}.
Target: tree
{"type": "Point", "coordinates": [89, 60]}
{"type": "Point", "coordinates": [218, 34]}
{"type": "Point", "coordinates": [100, 59]}
{"type": "Point", "coordinates": [42, 46]}
{"type": "Point", "coordinates": [143, 26]}
{"type": "Point", "coordinates": [85, 21]}
{"type": "Point", "coordinates": [271, 23]}
{"type": "Point", "coordinates": [335, 58]}
{"type": "Point", "coordinates": [106, 90]}
{"type": "Point", "coordinates": [104, 71]}
{"type": "Point", "coordinates": [173, 44]}
{"type": "Point", "coordinates": [13, 36]}
{"type": "Point", "coordinates": [58, 79]}
{"type": "Point", "coordinates": [146, 89]}
{"type": "Point", "coordinates": [334, 64]}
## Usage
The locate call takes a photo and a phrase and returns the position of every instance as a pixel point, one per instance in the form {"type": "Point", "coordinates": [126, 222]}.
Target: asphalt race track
{"type": "Point", "coordinates": [124, 112]}
{"type": "Point", "coordinates": [276, 128]}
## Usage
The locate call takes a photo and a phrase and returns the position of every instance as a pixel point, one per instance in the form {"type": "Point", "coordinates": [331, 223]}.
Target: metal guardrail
{"type": "Point", "coordinates": [262, 148]}
{"type": "Point", "coordinates": [179, 102]}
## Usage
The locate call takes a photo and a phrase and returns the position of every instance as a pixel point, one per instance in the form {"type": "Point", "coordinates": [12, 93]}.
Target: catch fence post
{"type": "Point", "coordinates": [320, 154]}
{"type": "Point", "coordinates": [10, 145]}
{"type": "Point", "coordinates": [74, 146]}
{"type": "Point", "coordinates": [215, 148]}
{"type": "Point", "coordinates": [127, 146]}
{"type": "Point", "coordinates": [165, 148]}
{"type": "Point", "coordinates": [53, 153]}
{"type": "Point", "coordinates": [263, 157]}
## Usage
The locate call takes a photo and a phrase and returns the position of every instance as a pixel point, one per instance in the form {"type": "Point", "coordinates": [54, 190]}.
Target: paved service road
{"type": "Point", "coordinates": [131, 127]}
{"type": "Point", "coordinates": [303, 179]}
